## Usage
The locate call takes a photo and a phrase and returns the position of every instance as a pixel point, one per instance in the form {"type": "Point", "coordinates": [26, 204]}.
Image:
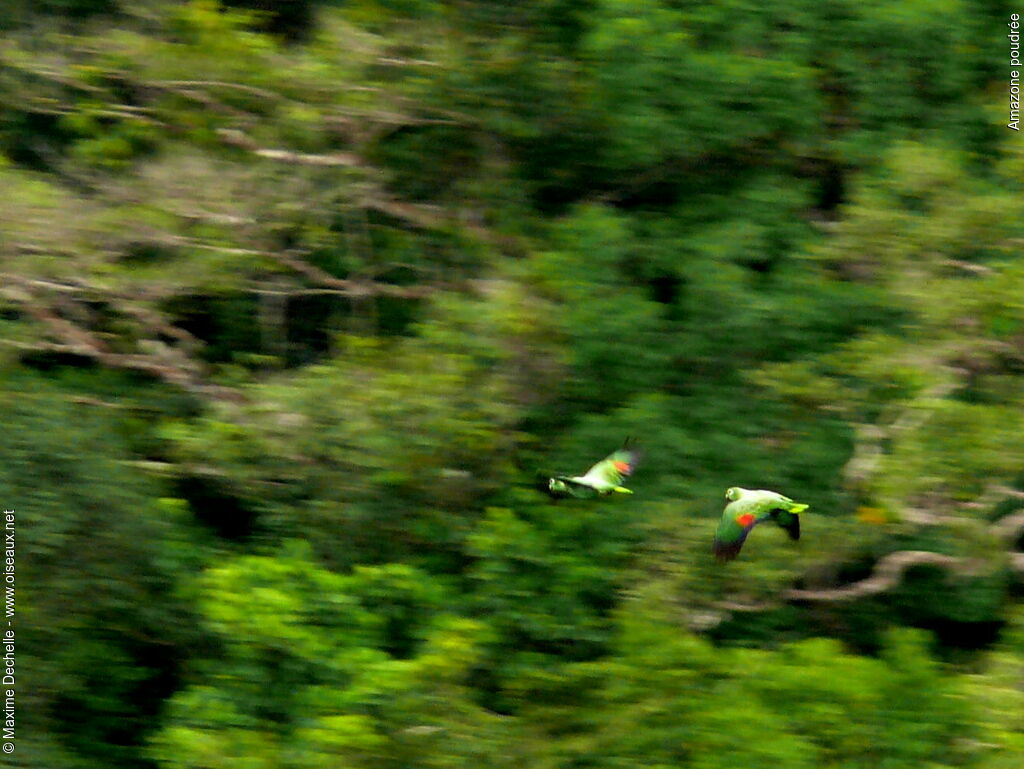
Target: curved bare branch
{"type": "Point", "coordinates": [888, 572]}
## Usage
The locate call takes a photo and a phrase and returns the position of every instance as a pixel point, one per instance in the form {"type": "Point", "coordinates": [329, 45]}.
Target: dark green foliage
{"type": "Point", "coordinates": [99, 552]}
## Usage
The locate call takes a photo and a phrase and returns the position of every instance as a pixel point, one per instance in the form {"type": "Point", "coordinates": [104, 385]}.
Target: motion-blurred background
{"type": "Point", "coordinates": [300, 299]}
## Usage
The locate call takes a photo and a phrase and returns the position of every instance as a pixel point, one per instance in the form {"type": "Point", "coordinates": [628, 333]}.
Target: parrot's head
{"type": "Point", "coordinates": [556, 486]}
{"type": "Point", "coordinates": [733, 494]}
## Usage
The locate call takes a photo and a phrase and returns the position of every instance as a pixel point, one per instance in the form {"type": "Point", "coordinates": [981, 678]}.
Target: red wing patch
{"type": "Point", "coordinates": [622, 467]}
{"type": "Point", "coordinates": [745, 520]}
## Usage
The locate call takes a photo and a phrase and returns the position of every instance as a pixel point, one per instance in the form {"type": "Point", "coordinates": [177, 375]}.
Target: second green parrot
{"type": "Point", "coordinates": [603, 478]}
{"type": "Point", "coordinates": [745, 510]}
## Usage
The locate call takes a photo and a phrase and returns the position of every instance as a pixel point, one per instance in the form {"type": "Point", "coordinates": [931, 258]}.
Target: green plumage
{"type": "Point", "coordinates": [745, 510]}
{"type": "Point", "coordinates": [603, 478]}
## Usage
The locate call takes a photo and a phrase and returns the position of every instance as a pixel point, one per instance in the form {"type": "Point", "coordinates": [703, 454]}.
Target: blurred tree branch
{"type": "Point", "coordinates": [169, 364]}
{"type": "Point", "coordinates": [886, 574]}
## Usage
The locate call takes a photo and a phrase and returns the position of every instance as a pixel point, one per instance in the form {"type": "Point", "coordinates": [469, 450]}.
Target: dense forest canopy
{"type": "Point", "coordinates": [301, 301]}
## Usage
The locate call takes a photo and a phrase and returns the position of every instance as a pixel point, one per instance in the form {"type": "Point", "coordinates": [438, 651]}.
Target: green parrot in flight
{"type": "Point", "coordinates": [745, 510]}
{"type": "Point", "coordinates": [600, 480]}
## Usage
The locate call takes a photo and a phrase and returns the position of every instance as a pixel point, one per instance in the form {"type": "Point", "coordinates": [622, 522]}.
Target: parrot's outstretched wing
{"type": "Point", "coordinates": [611, 470]}
{"type": "Point", "coordinates": [732, 533]}
{"type": "Point", "coordinates": [789, 521]}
